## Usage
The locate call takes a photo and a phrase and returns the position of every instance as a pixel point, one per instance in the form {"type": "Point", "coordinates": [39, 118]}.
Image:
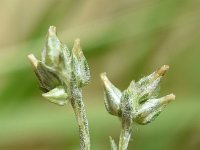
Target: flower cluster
{"type": "Point", "coordinates": [60, 69]}
{"type": "Point", "coordinates": [139, 101]}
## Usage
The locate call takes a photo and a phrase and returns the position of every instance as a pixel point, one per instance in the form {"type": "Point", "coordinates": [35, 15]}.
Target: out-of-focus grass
{"type": "Point", "coordinates": [127, 39]}
{"type": "Point", "coordinates": [48, 126]}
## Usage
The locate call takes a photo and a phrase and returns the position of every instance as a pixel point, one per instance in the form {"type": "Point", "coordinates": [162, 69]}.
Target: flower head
{"type": "Point", "coordinates": [60, 68]}
{"type": "Point", "coordinates": [139, 101]}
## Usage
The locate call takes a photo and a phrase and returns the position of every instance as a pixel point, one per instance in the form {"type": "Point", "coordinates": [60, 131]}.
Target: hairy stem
{"type": "Point", "coordinates": [125, 136]}
{"type": "Point", "coordinates": [81, 118]}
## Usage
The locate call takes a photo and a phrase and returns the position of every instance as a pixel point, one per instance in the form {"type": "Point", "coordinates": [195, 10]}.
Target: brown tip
{"type": "Point", "coordinates": [162, 70]}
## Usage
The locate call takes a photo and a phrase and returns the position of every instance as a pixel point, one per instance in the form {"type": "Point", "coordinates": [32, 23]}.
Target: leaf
{"type": "Point", "coordinates": [112, 143]}
{"type": "Point", "coordinates": [57, 96]}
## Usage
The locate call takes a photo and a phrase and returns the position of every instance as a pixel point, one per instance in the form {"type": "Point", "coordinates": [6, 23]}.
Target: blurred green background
{"type": "Point", "coordinates": [125, 38]}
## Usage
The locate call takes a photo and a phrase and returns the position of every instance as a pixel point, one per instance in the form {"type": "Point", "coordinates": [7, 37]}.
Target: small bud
{"type": "Point", "coordinates": [148, 111]}
{"type": "Point", "coordinates": [80, 65]}
{"type": "Point", "coordinates": [112, 96]}
{"type": "Point", "coordinates": [55, 54]}
{"type": "Point", "coordinates": [131, 94]}
{"type": "Point", "coordinates": [52, 49]}
{"type": "Point", "coordinates": [57, 96]}
{"type": "Point", "coordinates": [148, 87]}
{"type": "Point", "coordinates": [149, 90]}
{"type": "Point", "coordinates": [46, 76]}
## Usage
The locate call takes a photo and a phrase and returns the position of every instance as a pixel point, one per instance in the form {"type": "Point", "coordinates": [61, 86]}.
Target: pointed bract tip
{"type": "Point", "coordinates": [33, 60]}
{"type": "Point", "coordinates": [168, 98]}
{"type": "Point", "coordinates": [171, 97]}
{"type": "Point", "coordinates": [103, 76]}
{"type": "Point", "coordinates": [77, 41]}
{"type": "Point", "coordinates": [161, 71]}
{"type": "Point", "coordinates": [52, 30]}
{"type": "Point", "coordinates": [77, 47]}
{"type": "Point", "coordinates": [77, 44]}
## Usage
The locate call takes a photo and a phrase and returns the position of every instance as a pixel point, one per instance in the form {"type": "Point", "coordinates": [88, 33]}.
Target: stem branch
{"type": "Point", "coordinates": [81, 118]}
{"type": "Point", "coordinates": [125, 135]}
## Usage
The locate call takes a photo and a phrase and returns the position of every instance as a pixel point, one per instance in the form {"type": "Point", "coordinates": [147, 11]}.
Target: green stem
{"type": "Point", "coordinates": [81, 118]}
{"type": "Point", "coordinates": [125, 135]}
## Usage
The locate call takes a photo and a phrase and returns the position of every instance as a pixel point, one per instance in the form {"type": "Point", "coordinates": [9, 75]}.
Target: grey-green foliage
{"type": "Point", "coordinates": [138, 103]}
{"type": "Point", "coordinates": [60, 69]}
